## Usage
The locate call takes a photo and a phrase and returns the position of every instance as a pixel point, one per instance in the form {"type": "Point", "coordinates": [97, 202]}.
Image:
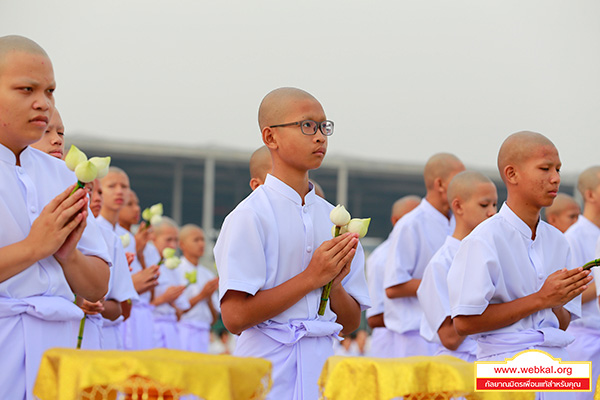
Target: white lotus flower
{"type": "Point", "coordinates": [155, 220]}
{"type": "Point", "coordinates": [74, 157]}
{"type": "Point", "coordinates": [157, 209]}
{"type": "Point", "coordinates": [168, 252]}
{"type": "Point", "coordinates": [359, 225]}
{"type": "Point", "coordinates": [172, 262]}
{"type": "Point", "coordinates": [86, 171]}
{"type": "Point", "coordinates": [339, 216]}
{"type": "Point", "coordinates": [125, 239]}
{"type": "Point", "coordinates": [102, 164]}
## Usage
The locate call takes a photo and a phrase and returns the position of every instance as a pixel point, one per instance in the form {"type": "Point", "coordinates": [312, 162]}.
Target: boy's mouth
{"type": "Point", "coordinates": [40, 120]}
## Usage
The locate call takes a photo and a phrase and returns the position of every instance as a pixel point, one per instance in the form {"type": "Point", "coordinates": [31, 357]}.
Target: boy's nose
{"type": "Point", "coordinates": [42, 103]}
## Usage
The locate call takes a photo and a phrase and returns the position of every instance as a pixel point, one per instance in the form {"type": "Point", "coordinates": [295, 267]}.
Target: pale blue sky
{"type": "Point", "coordinates": [401, 79]}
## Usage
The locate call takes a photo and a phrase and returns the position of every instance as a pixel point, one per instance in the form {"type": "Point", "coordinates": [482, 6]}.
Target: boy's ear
{"type": "Point", "coordinates": [511, 174]}
{"type": "Point", "coordinates": [254, 183]}
{"type": "Point", "coordinates": [590, 196]}
{"type": "Point", "coordinates": [269, 138]}
{"type": "Point", "coordinates": [439, 185]}
{"type": "Point", "coordinates": [456, 206]}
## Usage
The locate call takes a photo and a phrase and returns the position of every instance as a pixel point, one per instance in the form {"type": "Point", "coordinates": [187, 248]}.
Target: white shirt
{"type": "Point", "coordinates": [135, 265]}
{"type": "Point", "coordinates": [433, 294]}
{"type": "Point", "coordinates": [375, 272]}
{"type": "Point", "coordinates": [498, 262]}
{"type": "Point", "coordinates": [120, 285]}
{"type": "Point", "coordinates": [414, 240]}
{"type": "Point", "coordinates": [201, 311]}
{"type": "Point", "coordinates": [24, 191]}
{"type": "Point", "coordinates": [582, 237]}
{"type": "Point", "coordinates": [166, 279]}
{"type": "Point", "coordinates": [270, 237]}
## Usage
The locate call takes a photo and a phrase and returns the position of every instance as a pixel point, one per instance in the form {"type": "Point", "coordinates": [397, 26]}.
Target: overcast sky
{"type": "Point", "coordinates": [401, 79]}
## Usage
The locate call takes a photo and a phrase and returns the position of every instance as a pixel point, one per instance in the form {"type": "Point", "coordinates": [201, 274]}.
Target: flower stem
{"type": "Point", "coordinates": [593, 263]}
{"type": "Point", "coordinates": [327, 288]}
{"type": "Point", "coordinates": [80, 335]}
{"type": "Point", "coordinates": [80, 185]}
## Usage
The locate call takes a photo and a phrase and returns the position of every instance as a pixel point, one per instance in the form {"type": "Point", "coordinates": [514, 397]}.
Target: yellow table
{"type": "Point", "coordinates": [158, 373]}
{"type": "Point", "coordinates": [441, 377]}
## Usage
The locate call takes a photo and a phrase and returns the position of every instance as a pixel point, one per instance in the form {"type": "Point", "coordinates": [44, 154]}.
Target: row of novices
{"type": "Point", "coordinates": [457, 278]}
{"type": "Point", "coordinates": [454, 277]}
{"type": "Point", "coordinates": [69, 266]}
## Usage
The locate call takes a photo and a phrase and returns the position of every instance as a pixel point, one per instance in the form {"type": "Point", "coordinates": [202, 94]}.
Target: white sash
{"type": "Point", "coordinates": [298, 351]}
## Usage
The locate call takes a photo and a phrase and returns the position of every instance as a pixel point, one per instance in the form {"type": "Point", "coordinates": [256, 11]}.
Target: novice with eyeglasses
{"type": "Point", "coordinates": [275, 253]}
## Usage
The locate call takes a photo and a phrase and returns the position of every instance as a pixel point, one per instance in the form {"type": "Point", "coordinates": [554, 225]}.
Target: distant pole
{"type": "Point", "coordinates": [177, 209]}
{"type": "Point", "coordinates": [208, 210]}
{"type": "Point", "coordinates": [342, 185]}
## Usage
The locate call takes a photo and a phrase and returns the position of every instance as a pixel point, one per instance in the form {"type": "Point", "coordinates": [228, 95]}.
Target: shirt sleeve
{"type": "Point", "coordinates": [92, 242]}
{"type": "Point", "coordinates": [470, 279]}
{"type": "Point", "coordinates": [402, 256]}
{"type": "Point", "coordinates": [121, 286]}
{"type": "Point", "coordinates": [239, 253]}
{"type": "Point", "coordinates": [355, 283]}
{"type": "Point", "coordinates": [433, 294]}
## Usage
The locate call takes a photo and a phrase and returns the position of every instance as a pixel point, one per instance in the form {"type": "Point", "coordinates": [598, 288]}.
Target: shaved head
{"type": "Point", "coordinates": [464, 184]}
{"type": "Point", "coordinates": [562, 202]}
{"type": "Point", "coordinates": [14, 43]}
{"type": "Point", "coordinates": [403, 206]}
{"type": "Point", "coordinates": [164, 223]}
{"type": "Point", "coordinates": [588, 180]}
{"type": "Point", "coordinates": [277, 103]}
{"type": "Point", "coordinates": [517, 148]}
{"type": "Point", "coordinates": [187, 230]}
{"type": "Point", "coordinates": [260, 163]}
{"type": "Point", "coordinates": [441, 165]}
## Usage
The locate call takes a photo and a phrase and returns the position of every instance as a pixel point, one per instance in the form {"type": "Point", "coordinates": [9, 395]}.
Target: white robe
{"type": "Point", "coordinates": [414, 240]}
{"type": "Point", "coordinates": [36, 305]}
{"type": "Point", "coordinates": [268, 239]}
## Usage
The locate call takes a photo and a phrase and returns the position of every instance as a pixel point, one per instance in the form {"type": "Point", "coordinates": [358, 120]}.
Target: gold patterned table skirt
{"type": "Point", "coordinates": [150, 374]}
{"type": "Point", "coordinates": [415, 378]}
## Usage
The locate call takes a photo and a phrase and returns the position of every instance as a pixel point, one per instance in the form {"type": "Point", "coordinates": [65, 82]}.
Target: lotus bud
{"type": "Point", "coordinates": [147, 214]}
{"type": "Point", "coordinates": [86, 172]}
{"type": "Point", "coordinates": [172, 262]}
{"type": "Point", "coordinates": [339, 216]}
{"type": "Point", "coordinates": [359, 225]}
{"type": "Point", "coordinates": [191, 276]}
{"type": "Point", "coordinates": [157, 209]}
{"type": "Point", "coordinates": [168, 252]}
{"type": "Point", "coordinates": [74, 157]}
{"type": "Point", "coordinates": [125, 239]}
{"type": "Point", "coordinates": [155, 220]}
{"type": "Point", "coordinates": [102, 164]}
{"type": "Point", "coordinates": [343, 229]}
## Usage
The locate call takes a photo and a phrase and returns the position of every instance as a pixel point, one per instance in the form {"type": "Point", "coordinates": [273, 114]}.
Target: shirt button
{"type": "Point", "coordinates": [20, 171]}
{"type": "Point", "coordinates": [540, 276]}
{"type": "Point", "coordinates": [309, 249]}
{"type": "Point", "coordinates": [304, 210]}
{"type": "Point", "coordinates": [33, 209]}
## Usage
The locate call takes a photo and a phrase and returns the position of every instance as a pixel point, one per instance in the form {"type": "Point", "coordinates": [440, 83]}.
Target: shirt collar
{"type": "Point", "coordinates": [586, 222]}
{"type": "Point", "coordinates": [513, 219]}
{"type": "Point", "coordinates": [104, 222]}
{"type": "Point", "coordinates": [7, 155]}
{"type": "Point", "coordinates": [285, 190]}
{"type": "Point", "coordinates": [427, 207]}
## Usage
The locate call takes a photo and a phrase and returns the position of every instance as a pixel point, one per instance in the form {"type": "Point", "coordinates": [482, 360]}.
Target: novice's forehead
{"type": "Point", "coordinates": [523, 146]}
{"type": "Point", "coordinates": [279, 103]}
{"type": "Point", "coordinates": [12, 45]}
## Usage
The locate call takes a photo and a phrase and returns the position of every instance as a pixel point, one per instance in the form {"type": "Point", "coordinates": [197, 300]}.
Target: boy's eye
{"type": "Point", "coordinates": [484, 205]}
{"type": "Point", "coordinates": [59, 133]}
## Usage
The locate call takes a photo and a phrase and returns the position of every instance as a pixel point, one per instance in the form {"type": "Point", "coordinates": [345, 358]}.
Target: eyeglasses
{"type": "Point", "coordinates": [309, 127]}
